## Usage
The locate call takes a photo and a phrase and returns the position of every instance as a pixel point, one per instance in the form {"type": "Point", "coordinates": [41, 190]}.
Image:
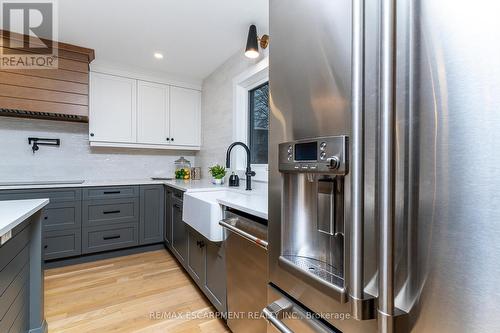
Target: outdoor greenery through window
{"type": "Point", "coordinates": [259, 123]}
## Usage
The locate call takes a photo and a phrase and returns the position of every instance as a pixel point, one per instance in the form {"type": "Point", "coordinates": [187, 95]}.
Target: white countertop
{"type": "Point", "coordinates": [87, 183]}
{"type": "Point", "coordinates": [14, 212]}
{"type": "Point", "coordinates": [253, 202]}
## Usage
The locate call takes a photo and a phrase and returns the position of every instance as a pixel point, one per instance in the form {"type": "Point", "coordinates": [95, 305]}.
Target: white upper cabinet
{"type": "Point", "coordinates": [126, 112]}
{"type": "Point", "coordinates": [185, 109]}
{"type": "Point", "coordinates": [153, 121]}
{"type": "Point", "coordinates": [113, 108]}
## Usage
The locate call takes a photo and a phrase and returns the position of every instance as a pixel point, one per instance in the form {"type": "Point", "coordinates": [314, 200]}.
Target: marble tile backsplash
{"type": "Point", "coordinates": [217, 111]}
{"type": "Point", "coordinates": [74, 159]}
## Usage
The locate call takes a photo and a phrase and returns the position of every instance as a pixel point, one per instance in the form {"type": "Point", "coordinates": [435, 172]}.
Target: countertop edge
{"type": "Point", "coordinates": [244, 209]}
{"type": "Point", "coordinates": [38, 204]}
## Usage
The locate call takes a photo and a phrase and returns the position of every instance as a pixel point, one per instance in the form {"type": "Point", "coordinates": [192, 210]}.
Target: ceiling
{"type": "Point", "coordinates": [195, 36]}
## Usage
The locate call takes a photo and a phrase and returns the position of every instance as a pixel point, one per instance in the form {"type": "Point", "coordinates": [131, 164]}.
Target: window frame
{"type": "Point", "coordinates": [253, 77]}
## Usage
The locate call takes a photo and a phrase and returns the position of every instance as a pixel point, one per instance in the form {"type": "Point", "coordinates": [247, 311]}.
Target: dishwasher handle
{"type": "Point", "coordinates": [260, 242]}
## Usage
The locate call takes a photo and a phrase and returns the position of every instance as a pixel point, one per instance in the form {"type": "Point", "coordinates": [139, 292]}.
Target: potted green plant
{"type": "Point", "coordinates": [218, 173]}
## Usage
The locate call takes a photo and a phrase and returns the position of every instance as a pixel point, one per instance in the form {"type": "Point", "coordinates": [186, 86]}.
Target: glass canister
{"type": "Point", "coordinates": [182, 168]}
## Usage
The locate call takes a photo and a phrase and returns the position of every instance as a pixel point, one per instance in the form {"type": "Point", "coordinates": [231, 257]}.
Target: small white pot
{"type": "Point", "coordinates": [218, 181]}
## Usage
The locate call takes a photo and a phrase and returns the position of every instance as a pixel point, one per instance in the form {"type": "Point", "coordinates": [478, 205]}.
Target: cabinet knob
{"type": "Point", "coordinates": [172, 139]}
{"type": "Point", "coordinates": [91, 134]}
{"type": "Point", "coordinates": [168, 139]}
{"type": "Point", "coordinates": [46, 246]}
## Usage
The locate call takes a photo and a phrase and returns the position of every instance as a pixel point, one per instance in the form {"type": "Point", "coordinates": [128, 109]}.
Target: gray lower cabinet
{"type": "Point", "coordinates": [109, 237]}
{"type": "Point", "coordinates": [61, 219]}
{"type": "Point", "coordinates": [110, 218]}
{"type": "Point", "coordinates": [110, 192]}
{"type": "Point", "coordinates": [14, 282]}
{"type": "Point", "coordinates": [62, 216]}
{"type": "Point", "coordinates": [202, 259]}
{"type": "Point", "coordinates": [93, 219]}
{"type": "Point", "coordinates": [196, 256]}
{"type": "Point", "coordinates": [62, 244]}
{"type": "Point", "coordinates": [152, 210]}
{"type": "Point", "coordinates": [167, 229]}
{"type": "Point", "coordinates": [179, 232]}
{"type": "Point", "coordinates": [214, 285]}
{"type": "Point", "coordinates": [110, 211]}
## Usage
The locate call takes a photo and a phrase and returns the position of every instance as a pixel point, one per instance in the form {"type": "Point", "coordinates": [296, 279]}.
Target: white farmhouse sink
{"type": "Point", "coordinates": [202, 212]}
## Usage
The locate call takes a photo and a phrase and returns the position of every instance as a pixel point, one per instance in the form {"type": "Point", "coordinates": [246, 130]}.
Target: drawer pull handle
{"type": "Point", "coordinates": [111, 212]}
{"type": "Point", "coordinates": [112, 192]}
{"type": "Point", "coordinates": [111, 237]}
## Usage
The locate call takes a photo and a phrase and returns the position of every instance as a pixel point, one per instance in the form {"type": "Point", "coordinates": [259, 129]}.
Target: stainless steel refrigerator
{"type": "Point", "coordinates": [384, 166]}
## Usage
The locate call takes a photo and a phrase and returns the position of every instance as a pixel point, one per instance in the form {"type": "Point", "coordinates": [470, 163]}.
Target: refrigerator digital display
{"type": "Point", "coordinates": [306, 151]}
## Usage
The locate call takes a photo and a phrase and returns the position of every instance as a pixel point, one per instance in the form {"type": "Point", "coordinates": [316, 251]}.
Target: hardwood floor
{"type": "Point", "coordinates": [135, 293]}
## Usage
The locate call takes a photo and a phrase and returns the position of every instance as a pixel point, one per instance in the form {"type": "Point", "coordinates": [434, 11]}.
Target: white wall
{"type": "Point", "coordinates": [217, 111]}
{"type": "Point", "coordinates": [74, 159]}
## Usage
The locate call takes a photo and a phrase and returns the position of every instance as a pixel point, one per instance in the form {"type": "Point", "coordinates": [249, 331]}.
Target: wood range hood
{"type": "Point", "coordinates": [60, 93]}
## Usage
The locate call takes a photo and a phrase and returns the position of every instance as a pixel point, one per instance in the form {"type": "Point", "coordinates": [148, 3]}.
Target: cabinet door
{"type": "Point", "coordinates": [167, 237]}
{"type": "Point", "coordinates": [179, 232]}
{"type": "Point", "coordinates": [152, 113]}
{"type": "Point", "coordinates": [152, 214]}
{"type": "Point", "coordinates": [196, 257]}
{"type": "Point", "coordinates": [185, 109]}
{"type": "Point", "coordinates": [62, 244]}
{"type": "Point", "coordinates": [113, 107]}
{"type": "Point", "coordinates": [215, 275]}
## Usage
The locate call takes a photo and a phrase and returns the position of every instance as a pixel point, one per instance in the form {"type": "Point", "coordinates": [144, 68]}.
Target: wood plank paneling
{"type": "Point", "coordinates": [42, 95]}
{"type": "Point", "coordinates": [120, 295]}
{"type": "Point", "coordinates": [54, 91]}
{"type": "Point", "coordinates": [41, 106]}
{"type": "Point", "coordinates": [57, 74]}
{"type": "Point", "coordinates": [22, 80]}
{"type": "Point", "coordinates": [68, 64]}
{"type": "Point", "coordinates": [68, 51]}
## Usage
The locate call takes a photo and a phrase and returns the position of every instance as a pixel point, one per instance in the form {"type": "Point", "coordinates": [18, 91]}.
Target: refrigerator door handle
{"type": "Point", "coordinates": [390, 318]}
{"type": "Point", "coordinates": [272, 317]}
{"type": "Point", "coordinates": [362, 304]}
{"type": "Point", "coordinates": [288, 317]}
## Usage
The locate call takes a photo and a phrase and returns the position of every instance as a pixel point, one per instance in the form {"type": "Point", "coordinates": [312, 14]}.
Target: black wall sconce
{"type": "Point", "coordinates": [43, 142]}
{"type": "Point", "coordinates": [253, 42]}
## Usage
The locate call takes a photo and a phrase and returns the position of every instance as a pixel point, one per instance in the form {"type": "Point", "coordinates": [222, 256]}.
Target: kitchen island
{"type": "Point", "coordinates": [21, 273]}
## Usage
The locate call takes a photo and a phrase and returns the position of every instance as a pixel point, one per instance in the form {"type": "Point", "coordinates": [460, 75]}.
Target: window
{"type": "Point", "coordinates": [258, 132]}
{"type": "Point", "coordinates": [251, 118]}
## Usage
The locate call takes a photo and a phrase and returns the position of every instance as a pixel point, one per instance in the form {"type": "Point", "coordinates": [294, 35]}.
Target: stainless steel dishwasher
{"type": "Point", "coordinates": [246, 266]}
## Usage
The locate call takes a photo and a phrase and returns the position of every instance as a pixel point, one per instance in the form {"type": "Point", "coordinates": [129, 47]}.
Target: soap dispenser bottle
{"type": "Point", "coordinates": [234, 180]}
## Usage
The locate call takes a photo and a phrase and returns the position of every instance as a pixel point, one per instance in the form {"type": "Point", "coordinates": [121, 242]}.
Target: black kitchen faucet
{"type": "Point", "coordinates": [249, 173]}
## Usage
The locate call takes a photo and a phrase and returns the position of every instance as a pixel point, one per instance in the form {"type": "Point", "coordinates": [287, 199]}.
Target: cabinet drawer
{"type": "Point", "coordinates": [111, 192]}
{"type": "Point", "coordinates": [112, 211]}
{"type": "Point", "coordinates": [62, 244]}
{"type": "Point", "coordinates": [102, 238]}
{"type": "Point", "coordinates": [54, 195]}
{"type": "Point", "coordinates": [62, 216]}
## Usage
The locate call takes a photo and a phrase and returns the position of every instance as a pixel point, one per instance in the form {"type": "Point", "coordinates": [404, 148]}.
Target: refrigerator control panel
{"type": "Point", "coordinates": [317, 155]}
